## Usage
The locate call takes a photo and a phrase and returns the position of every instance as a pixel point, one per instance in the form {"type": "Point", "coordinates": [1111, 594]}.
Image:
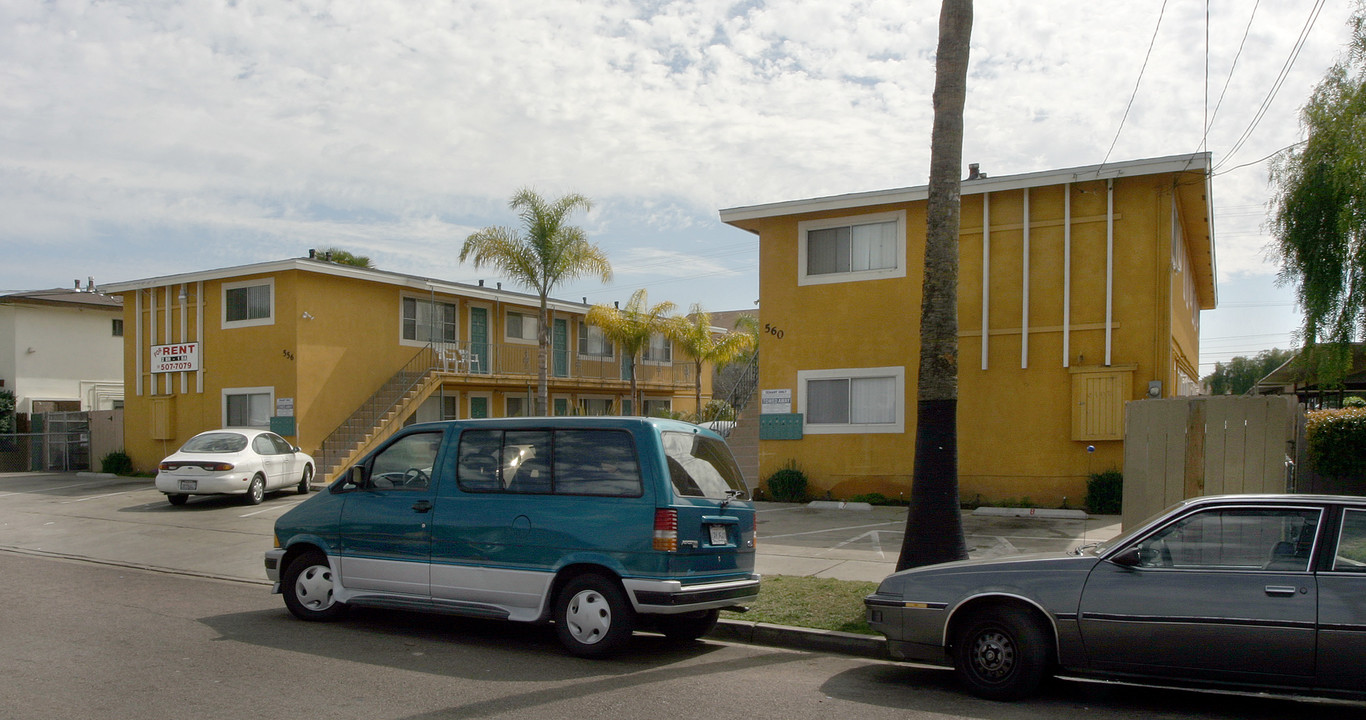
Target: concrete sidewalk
{"type": "Point", "coordinates": [855, 541]}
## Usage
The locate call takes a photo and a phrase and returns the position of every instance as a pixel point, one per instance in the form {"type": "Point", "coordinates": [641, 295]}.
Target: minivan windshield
{"type": "Point", "coordinates": [703, 467]}
{"type": "Point", "coordinates": [222, 442]}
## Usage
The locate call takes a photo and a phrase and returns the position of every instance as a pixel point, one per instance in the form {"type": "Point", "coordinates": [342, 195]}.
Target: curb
{"type": "Point", "coordinates": [795, 638]}
{"type": "Point", "coordinates": [87, 474]}
{"type": "Point", "coordinates": [1033, 512]}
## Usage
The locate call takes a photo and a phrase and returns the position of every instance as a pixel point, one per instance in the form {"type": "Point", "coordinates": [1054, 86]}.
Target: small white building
{"type": "Point", "coordinates": [62, 350]}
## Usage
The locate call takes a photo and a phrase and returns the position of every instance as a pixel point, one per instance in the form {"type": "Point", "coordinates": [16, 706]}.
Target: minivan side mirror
{"type": "Point", "coordinates": [355, 479]}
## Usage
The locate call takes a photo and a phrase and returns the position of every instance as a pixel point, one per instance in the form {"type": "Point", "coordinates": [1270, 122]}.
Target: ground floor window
{"type": "Point", "coordinates": [247, 407]}
{"type": "Point", "coordinates": [596, 406]}
{"type": "Point", "coordinates": [856, 400]}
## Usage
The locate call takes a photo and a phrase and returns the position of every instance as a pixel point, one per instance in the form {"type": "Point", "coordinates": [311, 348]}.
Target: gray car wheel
{"type": "Point", "coordinates": [1001, 654]}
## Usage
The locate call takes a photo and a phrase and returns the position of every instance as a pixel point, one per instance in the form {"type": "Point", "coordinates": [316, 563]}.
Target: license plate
{"type": "Point", "coordinates": [189, 484]}
{"type": "Point", "coordinates": [718, 535]}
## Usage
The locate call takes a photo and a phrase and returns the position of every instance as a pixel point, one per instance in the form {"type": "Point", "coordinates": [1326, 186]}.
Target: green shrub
{"type": "Point", "coordinates": [877, 499]}
{"type": "Point", "coordinates": [1337, 442]}
{"type": "Point", "coordinates": [788, 484]}
{"type": "Point", "coordinates": [117, 462]}
{"type": "Point", "coordinates": [1354, 401]}
{"type": "Point", "coordinates": [1105, 492]}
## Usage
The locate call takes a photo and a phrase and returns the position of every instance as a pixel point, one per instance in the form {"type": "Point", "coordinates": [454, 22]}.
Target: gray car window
{"type": "Point", "coordinates": [1351, 554]}
{"type": "Point", "coordinates": [1280, 539]}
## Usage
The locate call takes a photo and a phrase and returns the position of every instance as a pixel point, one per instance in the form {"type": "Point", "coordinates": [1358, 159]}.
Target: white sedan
{"type": "Point", "coordinates": [234, 461]}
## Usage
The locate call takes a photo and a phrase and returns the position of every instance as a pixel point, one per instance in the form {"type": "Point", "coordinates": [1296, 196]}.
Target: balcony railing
{"type": "Point", "coordinates": [520, 361]}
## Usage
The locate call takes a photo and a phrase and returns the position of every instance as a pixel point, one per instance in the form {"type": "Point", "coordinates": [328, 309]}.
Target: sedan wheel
{"type": "Point", "coordinates": [307, 586]}
{"type": "Point", "coordinates": [177, 499]}
{"type": "Point", "coordinates": [592, 616]}
{"type": "Point", "coordinates": [306, 480]}
{"type": "Point", "coordinates": [1001, 654]}
{"type": "Point", "coordinates": [256, 492]}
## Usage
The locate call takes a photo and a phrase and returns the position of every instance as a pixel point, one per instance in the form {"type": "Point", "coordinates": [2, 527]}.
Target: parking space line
{"type": "Point", "coordinates": [93, 497]}
{"type": "Point", "coordinates": [828, 530]}
{"type": "Point", "coordinates": [49, 489]}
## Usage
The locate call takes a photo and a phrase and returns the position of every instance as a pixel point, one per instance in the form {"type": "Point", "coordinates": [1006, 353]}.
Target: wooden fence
{"type": "Point", "coordinates": [1206, 445]}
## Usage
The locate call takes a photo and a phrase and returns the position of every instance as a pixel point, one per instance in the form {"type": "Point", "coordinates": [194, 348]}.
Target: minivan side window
{"type": "Point", "coordinates": [407, 464]}
{"type": "Point", "coordinates": [702, 467]}
{"type": "Point", "coordinates": [561, 462]}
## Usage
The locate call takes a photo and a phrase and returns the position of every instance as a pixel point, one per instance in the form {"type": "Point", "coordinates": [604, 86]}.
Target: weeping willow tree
{"type": "Point", "coordinates": [1319, 212]}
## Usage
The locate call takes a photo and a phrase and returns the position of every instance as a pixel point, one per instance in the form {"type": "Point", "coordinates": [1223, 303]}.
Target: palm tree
{"type": "Point", "coordinates": [344, 257]}
{"type": "Point", "coordinates": [934, 523]}
{"type": "Point", "coordinates": [694, 335]}
{"type": "Point", "coordinates": [631, 328]}
{"type": "Point", "coordinates": [545, 253]}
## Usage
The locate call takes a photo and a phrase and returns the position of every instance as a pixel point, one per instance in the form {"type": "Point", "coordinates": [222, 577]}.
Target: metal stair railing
{"type": "Point", "coordinates": [362, 423]}
{"type": "Point", "coordinates": [742, 390]}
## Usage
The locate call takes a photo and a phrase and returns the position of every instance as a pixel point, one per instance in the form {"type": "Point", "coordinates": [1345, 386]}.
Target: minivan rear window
{"type": "Point", "coordinates": [702, 467]}
{"type": "Point", "coordinates": [559, 462]}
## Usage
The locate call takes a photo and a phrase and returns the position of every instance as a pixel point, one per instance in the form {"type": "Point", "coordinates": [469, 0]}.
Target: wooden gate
{"type": "Point", "coordinates": [1206, 445]}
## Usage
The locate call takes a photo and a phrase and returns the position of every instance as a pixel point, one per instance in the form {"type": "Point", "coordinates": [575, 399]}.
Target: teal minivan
{"type": "Point", "coordinates": [602, 525]}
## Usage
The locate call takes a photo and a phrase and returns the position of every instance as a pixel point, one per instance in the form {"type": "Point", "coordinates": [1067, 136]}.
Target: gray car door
{"type": "Point", "coordinates": [1222, 593]}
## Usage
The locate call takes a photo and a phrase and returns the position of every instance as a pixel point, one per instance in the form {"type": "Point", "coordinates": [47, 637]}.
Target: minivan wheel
{"type": "Point", "coordinates": [592, 617]}
{"type": "Point", "coordinates": [689, 626]}
{"type": "Point", "coordinates": [256, 491]}
{"type": "Point", "coordinates": [306, 480]}
{"type": "Point", "coordinates": [307, 586]}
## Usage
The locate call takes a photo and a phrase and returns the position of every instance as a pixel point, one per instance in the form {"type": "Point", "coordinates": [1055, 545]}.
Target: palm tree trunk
{"type": "Point", "coordinates": [698, 384]}
{"type": "Point", "coordinates": [542, 340]}
{"type": "Point", "coordinates": [934, 523]}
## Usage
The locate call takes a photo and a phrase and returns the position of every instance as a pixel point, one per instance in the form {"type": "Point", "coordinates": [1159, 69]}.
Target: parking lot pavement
{"type": "Point", "coordinates": [126, 521]}
{"type": "Point", "coordinates": [854, 541]}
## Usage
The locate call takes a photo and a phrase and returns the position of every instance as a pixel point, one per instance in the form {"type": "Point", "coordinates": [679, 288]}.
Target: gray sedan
{"type": "Point", "coordinates": [1266, 591]}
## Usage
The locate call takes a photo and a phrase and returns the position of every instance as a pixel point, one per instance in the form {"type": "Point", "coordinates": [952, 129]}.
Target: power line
{"type": "Point", "coordinates": [1275, 86]}
{"type": "Point", "coordinates": [1209, 123]}
{"type": "Point", "coordinates": [1138, 82]}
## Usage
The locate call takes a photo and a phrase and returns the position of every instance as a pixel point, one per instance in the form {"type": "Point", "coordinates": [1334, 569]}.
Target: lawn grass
{"type": "Point", "coordinates": [810, 602]}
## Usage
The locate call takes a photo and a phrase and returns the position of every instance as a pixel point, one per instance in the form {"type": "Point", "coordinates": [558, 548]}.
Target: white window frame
{"type": "Point", "coordinates": [266, 390]}
{"type": "Point", "coordinates": [897, 373]}
{"type": "Point", "coordinates": [586, 332]}
{"type": "Point", "coordinates": [579, 406]}
{"type": "Point", "coordinates": [253, 322]}
{"type": "Point", "coordinates": [806, 226]}
{"type": "Point", "coordinates": [666, 346]}
{"type": "Point", "coordinates": [428, 301]}
{"type": "Point", "coordinates": [535, 318]}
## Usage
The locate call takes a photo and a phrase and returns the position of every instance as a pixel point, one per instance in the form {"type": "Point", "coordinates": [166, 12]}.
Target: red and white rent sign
{"type": "Point", "coordinates": [183, 357]}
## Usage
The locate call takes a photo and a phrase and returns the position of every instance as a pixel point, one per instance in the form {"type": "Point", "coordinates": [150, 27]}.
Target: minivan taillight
{"type": "Point", "coordinates": [666, 530]}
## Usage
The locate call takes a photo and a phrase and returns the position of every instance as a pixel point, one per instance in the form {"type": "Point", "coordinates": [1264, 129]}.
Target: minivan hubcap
{"type": "Point", "coordinates": [314, 587]}
{"type": "Point", "coordinates": [588, 616]}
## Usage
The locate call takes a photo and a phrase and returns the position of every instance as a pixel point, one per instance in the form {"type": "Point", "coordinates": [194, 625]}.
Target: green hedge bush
{"type": "Point", "coordinates": [117, 462]}
{"type": "Point", "coordinates": [788, 484]}
{"type": "Point", "coordinates": [1337, 442]}
{"type": "Point", "coordinates": [1105, 493]}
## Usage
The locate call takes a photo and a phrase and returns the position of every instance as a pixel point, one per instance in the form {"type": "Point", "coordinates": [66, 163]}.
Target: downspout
{"type": "Point", "coordinates": [1024, 290]}
{"type": "Point", "coordinates": [1109, 268]}
{"type": "Point", "coordinates": [986, 274]}
{"type": "Point", "coordinates": [1067, 274]}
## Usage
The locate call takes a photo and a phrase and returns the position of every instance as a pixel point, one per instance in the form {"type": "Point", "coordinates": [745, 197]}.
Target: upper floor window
{"type": "Point", "coordinates": [521, 326]}
{"type": "Point", "coordinates": [865, 247]}
{"type": "Point", "coordinates": [248, 302]}
{"type": "Point", "coordinates": [427, 321]}
{"type": "Point", "coordinates": [118, 327]}
{"type": "Point", "coordinates": [592, 343]}
{"type": "Point", "coordinates": [660, 350]}
{"type": "Point", "coordinates": [859, 400]}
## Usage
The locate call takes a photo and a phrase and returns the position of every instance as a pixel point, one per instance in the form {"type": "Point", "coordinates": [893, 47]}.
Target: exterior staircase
{"type": "Point", "coordinates": [381, 415]}
{"type": "Point", "coordinates": [744, 437]}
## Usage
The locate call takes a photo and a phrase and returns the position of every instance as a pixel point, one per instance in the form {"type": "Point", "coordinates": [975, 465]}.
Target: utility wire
{"type": "Point", "coordinates": [1138, 82]}
{"type": "Point", "coordinates": [1275, 86]}
{"type": "Point", "coordinates": [1209, 124]}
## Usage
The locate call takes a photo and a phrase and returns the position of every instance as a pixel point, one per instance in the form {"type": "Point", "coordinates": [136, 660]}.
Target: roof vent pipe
{"type": "Point", "coordinates": [975, 171]}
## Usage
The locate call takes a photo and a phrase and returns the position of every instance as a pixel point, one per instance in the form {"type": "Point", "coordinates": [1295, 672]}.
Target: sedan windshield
{"type": "Point", "coordinates": [223, 442]}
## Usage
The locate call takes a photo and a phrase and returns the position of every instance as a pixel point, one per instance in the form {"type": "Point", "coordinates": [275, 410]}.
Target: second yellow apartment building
{"type": "Point", "coordinates": [1079, 290]}
{"type": "Point", "coordinates": [336, 357]}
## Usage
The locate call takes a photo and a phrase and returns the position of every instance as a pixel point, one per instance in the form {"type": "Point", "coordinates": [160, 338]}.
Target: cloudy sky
{"type": "Point", "coordinates": [147, 138]}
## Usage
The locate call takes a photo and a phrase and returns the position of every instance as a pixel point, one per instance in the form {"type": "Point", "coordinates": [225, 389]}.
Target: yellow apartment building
{"type": "Point", "coordinates": [1079, 290]}
{"type": "Point", "coordinates": [336, 358]}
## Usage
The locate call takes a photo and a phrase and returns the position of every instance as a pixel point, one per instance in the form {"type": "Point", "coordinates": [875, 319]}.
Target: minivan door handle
{"type": "Point", "coordinates": [422, 506]}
